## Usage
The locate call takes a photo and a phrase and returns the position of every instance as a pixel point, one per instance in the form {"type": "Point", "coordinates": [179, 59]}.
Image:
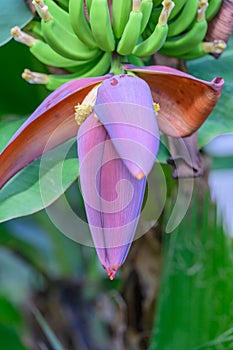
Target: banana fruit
{"type": "Point", "coordinates": [101, 25]}
{"type": "Point", "coordinates": [188, 40]}
{"type": "Point", "coordinates": [52, 81]}
{"type": "Point", "coordinates": [203, 48]}
{"type": "Point", "coordinates": [158, 37]}
{"type": "Point", "coordinates": [84, 36]}
{"type": "Point", "coordinates": [185, 18]}
{"type": "Point", "coordinates": [120, 16]}
{"type": "Point", "coordinates": [64, 4]}
{"type": "Point", "coordinates": [131, 32]}
{"type": "Point", "coordinates": [213, 8]}
{"type": "Point", "coordinates": [61, 40]}
{"type": "Point", "coordinates": [42, 51]}
{"type": "Point", "coordinates": [80, 24]}
{"type": "Point", "coordinates": [146, 9]}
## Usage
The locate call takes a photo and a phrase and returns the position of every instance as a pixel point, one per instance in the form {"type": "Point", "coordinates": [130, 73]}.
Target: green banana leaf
{"type": "Point", "coordinates": [220, 120]}
{"type": "Point", "coordinates": [39, 184]}
{"type": "Point", "coordinates": [194, 309]}
{"type": "Point", "coordinates": [7, 129]}
{"type": "Point", "coordinates": [13, 13]}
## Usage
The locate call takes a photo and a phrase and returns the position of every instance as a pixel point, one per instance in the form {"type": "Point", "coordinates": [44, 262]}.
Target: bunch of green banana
{"type": "Point", "coordinates": [55, 43]}
{"type": "Point", "coordinates": [186, 41]}
{"type": "Point", "coordinates": [42, 51]}
{"type": "Point", "coordinates": [187, 27]}
{"type": "Point", "coordinates": [82, 36]}
{"type": "Point", "coordinates": [157, 38]}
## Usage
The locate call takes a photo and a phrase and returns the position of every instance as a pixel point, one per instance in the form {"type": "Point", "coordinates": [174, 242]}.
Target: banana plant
{"type": "Point", "coordinates": [119, 107]}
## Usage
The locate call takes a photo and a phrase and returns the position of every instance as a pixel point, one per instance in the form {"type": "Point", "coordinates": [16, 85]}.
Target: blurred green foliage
{"type": "Point", "coordinates": [196, 292]}
{"type": "Point", "coordinates": [18, 98]}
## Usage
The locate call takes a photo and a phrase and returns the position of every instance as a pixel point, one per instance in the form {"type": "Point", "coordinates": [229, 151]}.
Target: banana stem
{"type": "Point", "coordinates": [201, 12]}
{"type": "Point", "coordinates": [116, 66]}
{"type": "Point", "coordinates": [166, 11]}
{"type": "Point", "coordinates": [34, 77]}
{"type": "Point", "coordinates": [42, 10]}
{"type": "Point", "coordinates": [216, 46]}
{"type": "Point", "coordinates": [22, 37]}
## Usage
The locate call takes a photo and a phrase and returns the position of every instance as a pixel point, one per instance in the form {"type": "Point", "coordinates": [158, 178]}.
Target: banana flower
{"type": "Point", "coordinates": [117, 129]}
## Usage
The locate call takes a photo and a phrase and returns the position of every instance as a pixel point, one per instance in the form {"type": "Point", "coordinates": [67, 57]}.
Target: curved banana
{"type": "Point", "coordinates": [131, 33]}
{"type": "Point", "coordinates": [154, 17]}
{"type": "Point", "coordinates": [177, 8]}
{"type": "Point", "coordinates": [184, 43]}
{"type": "Point", "coordinates": [52, 81]}
{"type": "Point", "coordinates": [42, 51]}
{"type": "Point", "coordinates": [57, 12]}
{"type": "Point", "coordinates": [36, 29]}
{"type": "Point", "coordinates": [204, 48]}
{"type": "Point", "coordinates": [120, 15]}
{"type": "Point", "coordinates": [63, 42]}
{"type": "Point", "coordinates": [101, 67]}
{"type": "Point", "coordinates": [185, 18]}
{"type": "Point", "coordinates": [146, 9]}
{"type": "Point", "coordinates": [80, 24]}
{"type": "Point", "coordinates": [158, 37]}
{"type": "Point", "coordinates": [213, 8]}
{"type": "Point", "coordinates": [101, 25]}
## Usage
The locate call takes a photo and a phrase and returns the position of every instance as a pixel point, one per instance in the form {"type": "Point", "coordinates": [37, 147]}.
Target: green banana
{"type": "Point", "coordinates": [157, 3]}
{"type": "Point", "coordinates": [136, 61]}
{"type": "Point", "coordinates": [130, 34]}
{"type": "Point", "coordinates": [80, 24]}
{"type": "Point", "coordinates": [185, 18]}
{"type": "Point", "coordinates": [52, 81]}
{"type": "Point", "coordinates": [154, 17]}
{"type": "Point", "coordinates": [88, 4]}
{"type": "Point", "coordinates": [146, 9]}
{"type": "Point", "coordinates": [203, 48]}
{"type": "Point", "coordinates": [42, 51]}
{"type": "Point", "coordinates": [213, 8]}
{"type": "Point", "coordinates": [64, 4]}
{"type": "Point", "coordinates": [35, 29]}
{"type": "Point", "coordinates": [184, 43]}
{"type": "Point", "coordinates": [63, 42]}
{"type": "Point", "coordinates": [120, 15]}
{"type": "Point", "coordinates": [101, 25]}
{"type": "Point", "coordinates": [158, 37]}
{"type": "Point", "coordinates": [177, 8]}
{"type": "Point", "coordinates": [57, 12]}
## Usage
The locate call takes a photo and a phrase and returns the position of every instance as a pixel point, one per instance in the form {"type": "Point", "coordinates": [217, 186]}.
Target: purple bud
{"type": "Point", "coordinates": [124, 106]}
{"type": "Point", "coordinates": [112, 196]}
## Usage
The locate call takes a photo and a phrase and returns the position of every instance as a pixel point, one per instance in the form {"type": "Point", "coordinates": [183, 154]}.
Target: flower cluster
{"type": "Point", "coordinates": [118, 120]}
